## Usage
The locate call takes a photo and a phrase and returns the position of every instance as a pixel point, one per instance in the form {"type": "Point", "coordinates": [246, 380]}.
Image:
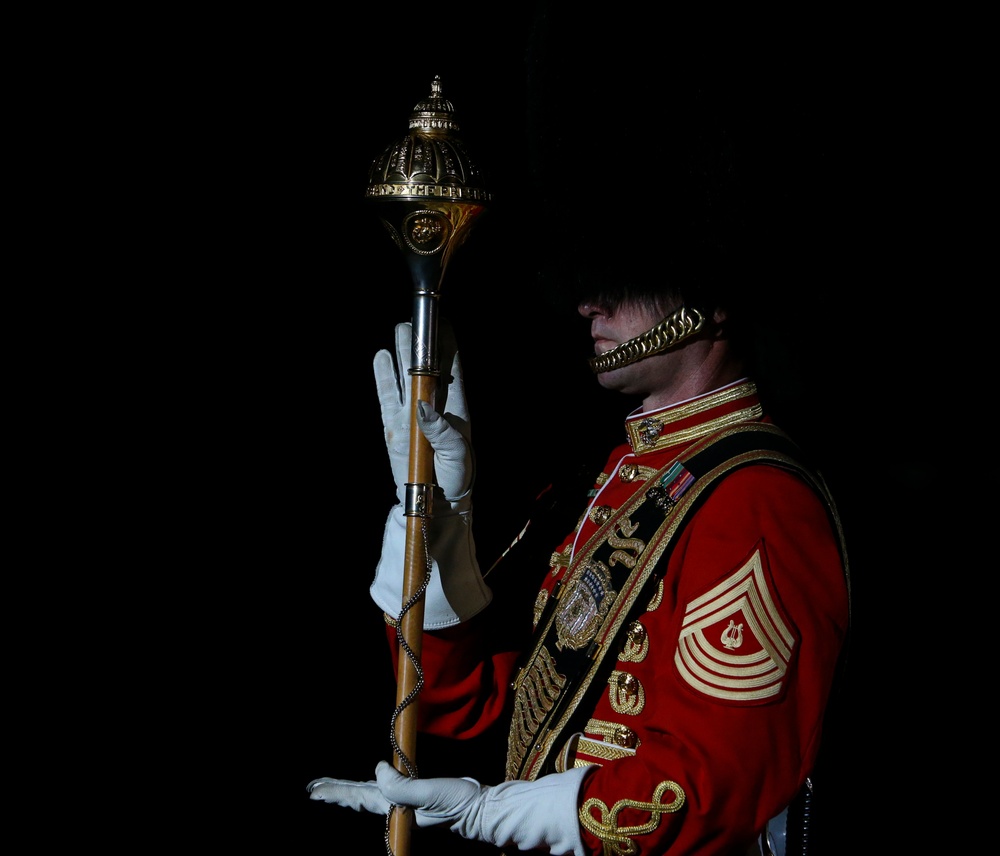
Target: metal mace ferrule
{"type": "Point", "coordinates": [418, 500]}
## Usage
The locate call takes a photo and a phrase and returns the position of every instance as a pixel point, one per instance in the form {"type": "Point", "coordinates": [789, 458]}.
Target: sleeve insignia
{"type": "Point", "coordinates": [735, 644]}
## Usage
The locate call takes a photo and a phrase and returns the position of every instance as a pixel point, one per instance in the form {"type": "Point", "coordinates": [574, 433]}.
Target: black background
{"type": "Point", "coordinates": [250, 481]}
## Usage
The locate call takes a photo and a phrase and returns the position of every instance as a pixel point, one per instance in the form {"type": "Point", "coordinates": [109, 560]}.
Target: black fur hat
{"type": "Point", "coordinates": [635, 162]}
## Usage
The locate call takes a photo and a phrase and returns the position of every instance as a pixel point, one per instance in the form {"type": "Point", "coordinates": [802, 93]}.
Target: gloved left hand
{"type": "Point", "coordinates": [448, 432]}
{"type": "Point", "coordinates": [529, 815]}
{"type": "Point", "coordinates": [456, 590]}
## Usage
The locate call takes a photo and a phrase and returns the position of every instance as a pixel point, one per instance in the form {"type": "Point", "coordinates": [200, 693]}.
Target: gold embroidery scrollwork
{"type": "Point", "coordinates": [618, 839]}
{"type": "Point", "coordinates": [624, 541]}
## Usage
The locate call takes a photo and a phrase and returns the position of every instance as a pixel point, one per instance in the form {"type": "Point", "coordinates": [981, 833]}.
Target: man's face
{"type": "Point", "coordinates": [612, 326]}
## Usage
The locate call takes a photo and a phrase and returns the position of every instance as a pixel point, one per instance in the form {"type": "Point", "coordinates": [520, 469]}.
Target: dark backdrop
{"type": "Point", "coordinates": [268, 287]}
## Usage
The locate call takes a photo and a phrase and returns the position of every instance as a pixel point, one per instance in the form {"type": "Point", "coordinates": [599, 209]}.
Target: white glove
{"type": "Point", "coordinates": [456, 590]}
{"type": "Point", "coordinates": [528, 815]}
{"type": "Point", "coordinates": [450, 435]}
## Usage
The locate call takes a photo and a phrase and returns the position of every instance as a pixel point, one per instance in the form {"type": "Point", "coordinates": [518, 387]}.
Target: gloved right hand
{"type": "Point", "coordinates": [448, 432]}
{"type": "Point", "coordinates": [456, 590]}
{"type": "Point", "coordinates": [538, 815]}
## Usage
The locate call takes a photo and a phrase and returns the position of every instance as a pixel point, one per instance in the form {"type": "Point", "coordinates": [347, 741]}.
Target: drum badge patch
{"type": "Point", "coordinates": [584, 605]}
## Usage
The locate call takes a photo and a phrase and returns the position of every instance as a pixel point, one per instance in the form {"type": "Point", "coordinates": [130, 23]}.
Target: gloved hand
{"type": "Point", "coordinates": [450, 434]}
{"type": "Point", "coordinates": [456, 590]}
{"type": "Point", "coordinates": [528, 815]}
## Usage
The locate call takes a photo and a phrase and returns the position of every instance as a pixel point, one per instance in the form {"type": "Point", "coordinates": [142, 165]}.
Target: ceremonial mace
{"type": "Point", "coordinates": [428, 194]}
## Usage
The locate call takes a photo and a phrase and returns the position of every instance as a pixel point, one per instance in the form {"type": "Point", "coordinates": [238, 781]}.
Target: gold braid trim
{"type": "Point", "coordinates": [613, 732]}
{"type": "Point", "coordinates": [599, 749]}
{"type": "Point", "coordinates": [618, 839]}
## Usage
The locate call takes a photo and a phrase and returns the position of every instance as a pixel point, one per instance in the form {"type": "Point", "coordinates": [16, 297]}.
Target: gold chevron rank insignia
{"type": "Point", "coordinates": [735, 645]}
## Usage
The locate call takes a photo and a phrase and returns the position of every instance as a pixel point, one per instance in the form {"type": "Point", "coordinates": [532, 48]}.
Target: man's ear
{"type": "Point", "coordinates": [720, 329]}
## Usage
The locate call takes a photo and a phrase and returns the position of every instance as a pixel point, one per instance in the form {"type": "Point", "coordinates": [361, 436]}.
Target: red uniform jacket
{"type": "Point", "coordinates": [708, 716]}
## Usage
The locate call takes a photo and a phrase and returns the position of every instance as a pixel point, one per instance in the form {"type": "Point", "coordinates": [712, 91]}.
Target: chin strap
{"type": "Point", "coordinates": [672, 330]}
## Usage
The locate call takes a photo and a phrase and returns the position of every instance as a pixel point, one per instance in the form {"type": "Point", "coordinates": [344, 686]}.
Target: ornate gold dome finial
{"type": "Point", "coordinates": [435, 114]}
{"type": "Point", "coordinates": [427, 191]}
{"type": "Point", "coordinates": [431, 161]}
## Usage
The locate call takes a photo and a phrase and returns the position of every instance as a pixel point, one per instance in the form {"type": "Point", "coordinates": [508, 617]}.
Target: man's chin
{"type": "Point", "coordinates": [613, 378]}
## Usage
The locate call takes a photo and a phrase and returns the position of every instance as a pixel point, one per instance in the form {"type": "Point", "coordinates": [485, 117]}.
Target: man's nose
{"type": "Point", "coordinates": [591, 309]}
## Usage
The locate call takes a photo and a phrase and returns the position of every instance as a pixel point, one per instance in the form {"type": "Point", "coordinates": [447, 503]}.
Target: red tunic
{"type": "Point", "coordinates": [711, 719]}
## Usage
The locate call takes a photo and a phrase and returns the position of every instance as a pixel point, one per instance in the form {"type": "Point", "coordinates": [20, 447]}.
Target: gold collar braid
{"type": "Point", "coordinates": [672, 330]}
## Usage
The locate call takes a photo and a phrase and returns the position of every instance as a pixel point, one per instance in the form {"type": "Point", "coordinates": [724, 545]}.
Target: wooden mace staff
{"type": "Point", "coordinates": [429, 193]}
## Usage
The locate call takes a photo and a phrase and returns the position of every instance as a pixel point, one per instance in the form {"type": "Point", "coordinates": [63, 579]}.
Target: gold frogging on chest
{"type": "Point", "coordinates": [636, 545]}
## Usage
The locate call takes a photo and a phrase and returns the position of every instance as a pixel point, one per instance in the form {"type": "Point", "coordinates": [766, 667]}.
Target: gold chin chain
{"type": "Point", "coordinates": [670, 331]}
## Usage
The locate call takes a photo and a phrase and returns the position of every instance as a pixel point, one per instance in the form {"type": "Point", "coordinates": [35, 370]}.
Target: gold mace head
{"type": "Point", "coordinates": [427, 189]}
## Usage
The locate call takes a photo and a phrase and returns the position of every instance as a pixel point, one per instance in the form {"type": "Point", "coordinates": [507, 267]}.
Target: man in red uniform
{"type": "Point", "coordinates": [661, 643]}
{"type": "Point", "coordinates": [667, 685]}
